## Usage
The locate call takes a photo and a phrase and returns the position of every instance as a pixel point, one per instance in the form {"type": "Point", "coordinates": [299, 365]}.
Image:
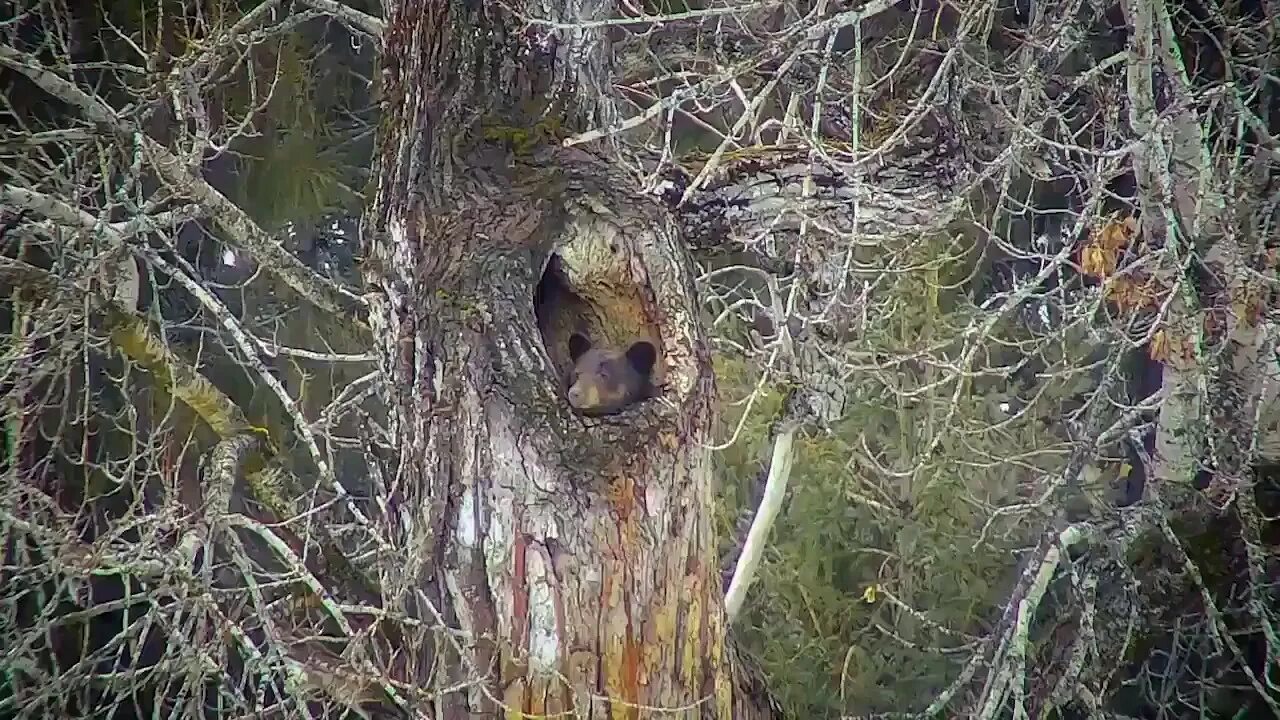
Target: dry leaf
{"type": "Point", "coordinates": [1158, 350]}
{"type": "Point", "coordinates": [1094, 261]}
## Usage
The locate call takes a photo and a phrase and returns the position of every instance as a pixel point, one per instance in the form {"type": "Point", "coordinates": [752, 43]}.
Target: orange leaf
{"type": "Point", "coordinates": [1130, 226]}
{"type": "Point", "coordinates": [1115, 236]}
{"type": "Point", "coordinates": [1095, 261]}
{"type": "Point", "coordinates": [1120, 291]}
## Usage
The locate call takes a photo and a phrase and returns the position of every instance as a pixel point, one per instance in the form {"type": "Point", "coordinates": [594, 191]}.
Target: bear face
{"type": "Point", "coordinates": [604, 380]}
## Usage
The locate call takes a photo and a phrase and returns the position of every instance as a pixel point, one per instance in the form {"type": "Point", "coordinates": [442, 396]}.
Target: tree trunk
{"type": "Point", "coordinates": [575, 555]}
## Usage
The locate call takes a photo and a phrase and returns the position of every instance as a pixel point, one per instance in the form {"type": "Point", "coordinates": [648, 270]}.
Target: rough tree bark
{"type": "Point", "coordinates": [576, 556]}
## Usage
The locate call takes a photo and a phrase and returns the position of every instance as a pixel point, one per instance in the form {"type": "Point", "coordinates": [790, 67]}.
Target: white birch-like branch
{"type": "Point", "coordinates": [775, 490]}
{"type": "Point", "coordinates": [1009, 670]}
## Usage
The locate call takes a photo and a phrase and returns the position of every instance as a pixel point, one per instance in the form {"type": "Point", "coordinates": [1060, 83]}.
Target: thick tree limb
{"type": "Point", "coordinates": [351, 17]}
{"type": "Point", "coordinates": [773, 192]}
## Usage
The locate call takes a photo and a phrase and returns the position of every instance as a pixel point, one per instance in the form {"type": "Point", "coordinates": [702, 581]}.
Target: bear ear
{"type": "Point", "coordinates": [642, 356]}
{"type": "Point", "coordinates": [578, 344]}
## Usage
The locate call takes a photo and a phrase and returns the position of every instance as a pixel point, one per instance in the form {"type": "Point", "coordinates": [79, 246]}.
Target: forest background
{"type": "Point", "coordinates": [988, 287]}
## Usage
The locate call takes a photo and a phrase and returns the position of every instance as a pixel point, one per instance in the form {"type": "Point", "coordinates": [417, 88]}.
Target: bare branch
{"type": "Point", "coordinates": [229, 218]}
{"type": "Point", "coordinates": [351, 17]}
